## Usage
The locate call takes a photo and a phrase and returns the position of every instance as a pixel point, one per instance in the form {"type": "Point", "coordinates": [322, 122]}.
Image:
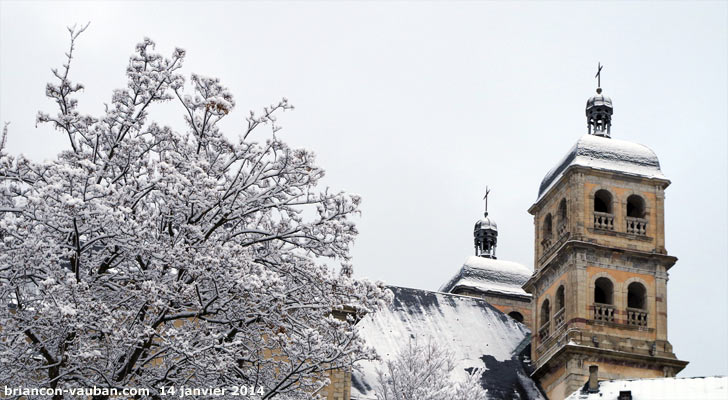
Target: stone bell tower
{"type": "Point", "coordinates": [601, 268]}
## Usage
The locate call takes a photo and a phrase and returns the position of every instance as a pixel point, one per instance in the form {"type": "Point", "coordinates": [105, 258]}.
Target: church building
{"type": "Point", "coordinates": [589, 320]}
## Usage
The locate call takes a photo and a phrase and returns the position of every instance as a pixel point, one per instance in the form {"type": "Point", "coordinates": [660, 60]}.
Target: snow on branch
{"type": "Point", "coordinates": [145, 257]}
{"type": "Point", "coordinates": [425, 372]}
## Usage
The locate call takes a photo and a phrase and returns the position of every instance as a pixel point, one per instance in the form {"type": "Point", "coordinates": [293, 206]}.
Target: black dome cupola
{"type": "Point", "coordinates": [599, 110]}
{"type": "Point", "coordinates": [485, 233]}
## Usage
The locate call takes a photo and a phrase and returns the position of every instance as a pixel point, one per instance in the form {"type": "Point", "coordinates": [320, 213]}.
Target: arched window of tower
{"type": "Point", "coordinates": [562, 211]}
{"type": "Point", "coordinates": [603, 291]}
{"type": "Point", "coordinates": [560, 298]}
{"type": "Point", "coordinates": [545, 312]}
{"type": "Point", "coordinates": [547, 225]}
{"type": "Point", "coordinates": [636, 294]}
{"type": "Point", "coordinates": [635, 206]}
{"type": "Point", "coordinates": [603, 201]}
{"type": "Point", "coordinates": [516, 315]}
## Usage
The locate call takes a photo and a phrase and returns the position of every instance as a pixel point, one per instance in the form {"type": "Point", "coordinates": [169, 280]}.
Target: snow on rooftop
{"type": "Point", "coordinates": [606, 154]}
{"type": "Point", "coordinates": [702, 388]}
{"type": "Point", "coordinates": [478, 335]}
{"type": "Point", "coordinates": [490, 275]}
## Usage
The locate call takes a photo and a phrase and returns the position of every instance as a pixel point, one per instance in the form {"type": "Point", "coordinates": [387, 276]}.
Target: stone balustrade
{"type": "Point", "coordinates": [603, 312]}
{"type": "Point", "coordinates": [637, 226]}
{"type": "Point", "coordinates": [544, 331]}
{"type": "Point", "coordinates": [561, 229]}
{"type": "Point", "coordinates": [636, 317]}
{"type": "Point", "coordinates": [603, 221]}
{"type": "Point", "coordinates": [559, 319]}
{"type": "Point", "coordinates": [546, 243]}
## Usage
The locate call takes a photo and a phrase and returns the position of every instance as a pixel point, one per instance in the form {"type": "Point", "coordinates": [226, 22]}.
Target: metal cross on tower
{"type": "Point", "coordinates": [487, 192]}
{"type": "Point", "coordinates": [599, 74]}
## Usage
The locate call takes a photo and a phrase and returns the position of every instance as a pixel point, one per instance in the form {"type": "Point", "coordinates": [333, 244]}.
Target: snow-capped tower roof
{"type": "Point", "coordinates": [483, 272]}
{"type": "Point", "coordinates": [606, 154]}
{"type": "Point", "coordinates": [597, 150]}
{"type": "Point", "coordinates": [490, 276]}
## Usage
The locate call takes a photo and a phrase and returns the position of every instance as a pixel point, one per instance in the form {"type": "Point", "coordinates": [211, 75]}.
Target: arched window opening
{"type": "Point", "coordinates": [636, 294]}
{"type": "Point", "coordinates": [562, 210]}
{"type": "Point", "coordinates": [635, 206]}
{"type": "Point", "coordinates": [603, 201]}
{"type": "Point", "coordinates": [544, 329]}
{"type": "Point", "coordinates": [559, 307]}
{"type": "Point", "coordinates": [603, 291]}
{"type": "Point", "coordinates": [545, 312]}
{"type": "Point", "coordinates": [516, 315]}
{"type": "Point", "coordinates": [547, 225]}
{"type": "Point", "coordinates": [560, 298]}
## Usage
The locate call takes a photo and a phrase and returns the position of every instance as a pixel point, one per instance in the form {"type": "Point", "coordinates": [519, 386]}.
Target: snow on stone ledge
{"type": "Point", "coordinates": [699, 388]}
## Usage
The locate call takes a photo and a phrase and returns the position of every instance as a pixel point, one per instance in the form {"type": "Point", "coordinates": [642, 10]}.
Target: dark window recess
{"type": "Point", "coordinates": [603, 290]}
{"type": "Point", "coordinates": [545, 312]}
{"type": "Point", "coordinates": [636, 295]}
{"type": "Point", "coordinates": [603, 201]}
{"type": "Point", "coordinates": [516, 315]}
{"type": "Point", "coordinates": [547, 226]}
{"type": "Point", "coordinates": [635, 206]}
{"type": "Point", "coordinates": [560, 298]}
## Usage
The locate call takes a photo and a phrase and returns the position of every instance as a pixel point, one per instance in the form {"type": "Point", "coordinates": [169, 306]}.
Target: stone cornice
{"type": "Point", "coordinates": [664, 259]}
{"type": "Point", "coordinates": [612, 355]}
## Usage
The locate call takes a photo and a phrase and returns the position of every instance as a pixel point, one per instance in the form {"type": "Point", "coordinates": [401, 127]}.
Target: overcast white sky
{"type": "Point", "coordinates": [419, 106]}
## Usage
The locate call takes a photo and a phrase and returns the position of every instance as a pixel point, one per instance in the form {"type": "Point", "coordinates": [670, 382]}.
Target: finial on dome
{"type": "Point", "coordinates": [487, 192]}
{"type": "Point", "coordinates": [485, 233]}
{"type": "Point", "coordinates": [599, 110]}
{"type": "Point", "coordinates": [599, 77]}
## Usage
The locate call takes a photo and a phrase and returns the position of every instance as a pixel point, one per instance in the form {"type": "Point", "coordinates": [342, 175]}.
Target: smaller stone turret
{"type": "Point", "coordinates": [486, 237]}
{"type": "Point", "coordinates": [485, 233]}
{"type": "Point", "coordinates": [599, 114]}
{"type": "Point", "coordinates": [599, 110]}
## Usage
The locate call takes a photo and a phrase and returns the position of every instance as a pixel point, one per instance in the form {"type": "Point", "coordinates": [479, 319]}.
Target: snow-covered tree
{"type": "Point", "coordinates": [425, 372]}
{"type": "Point", "coordinates": [147, 258]}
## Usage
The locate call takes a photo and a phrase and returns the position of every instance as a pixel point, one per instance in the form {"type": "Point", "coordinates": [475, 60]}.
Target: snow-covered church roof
{"type": "Point", "coordinates": [490, 275]}
{"type": "Point", "coordinates": [478, 335]}
{"type": "Point", "coordinates": [703, 388]}
{"type": "Point", "coordinates": [607, 154]}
